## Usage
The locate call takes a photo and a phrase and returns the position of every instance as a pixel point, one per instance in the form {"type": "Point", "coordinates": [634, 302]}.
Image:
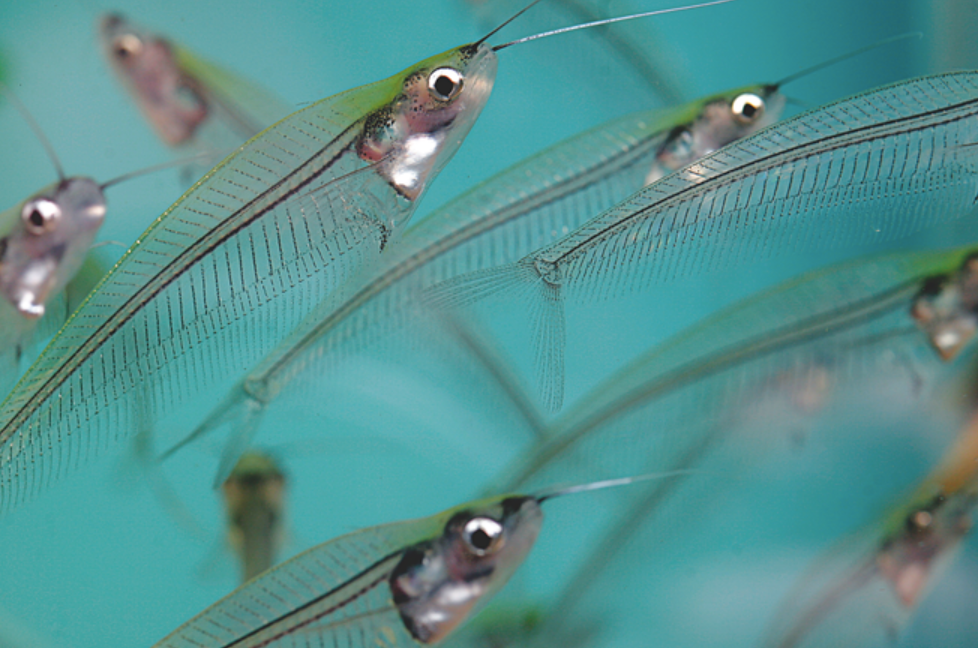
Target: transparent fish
{"type": "Point", "coordinates": [254, 497]}
{"type": "Point", "coordinates": [43, 242]}
{"type": "Point", "coordinates": [401, 584]}
{"type": "Point", "coordinates": [870, 168]}
{"type": "Point", "coordinates": [865, 591]}
{"type": "Point", "coordinates": [235, 264]}
{"type": "Point", "coordinates": [806, 337]}
{"type": "Point", "coordinates": [46, 260]}
{"type": "Point", "coordinates": [711, 388]}
{"type": "Point", "coordinates": [498, 221]}
{"type": "Point", "coordinates": [188, 101]}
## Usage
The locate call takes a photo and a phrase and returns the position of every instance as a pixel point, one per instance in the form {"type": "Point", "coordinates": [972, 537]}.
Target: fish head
{"type": "Point", "coordinates": [911, 558]}
{"type": "Point", "coordinates": [147, 65]}
{"type": "Point", "coordinates": [413, 136]}
{"type": "Point", "coordinates": [946, 309]}
{"type": "Point", "coordinates": [703, 126]}
{"type": "Point", "coordinates": [45, 241]}
{"type": "Point", "coordinates": [439, 583]}
{"type": "Point", "coordinates": [728, 117]}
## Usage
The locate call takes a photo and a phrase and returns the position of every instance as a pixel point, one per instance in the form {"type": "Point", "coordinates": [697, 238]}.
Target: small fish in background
{"type": "Point", "coordinates": [254, 496]}
{"type": "Point", "coordinates": [190, 103]}
{"type": "Point", "coordinates": [400, 584]}
{"type": "Point", "coordinates": [864, 591]}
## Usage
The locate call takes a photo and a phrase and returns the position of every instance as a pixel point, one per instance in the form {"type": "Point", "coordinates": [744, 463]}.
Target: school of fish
{"type": "Point", "coordinates": [647, 322]}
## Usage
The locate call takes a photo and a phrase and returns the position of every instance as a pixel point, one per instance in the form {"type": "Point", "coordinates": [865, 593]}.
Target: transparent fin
{"type": "Point", "coordinates": [548, 323]}
{"type": "Point", "coordinates": [482, 352]}
{"type": "Point", "coordinates": [868, 169]}
{"type": "Point", "coordinates": [239, 440]}
{"type": "Point", "coordinates": [235, 410]}
{"type": "Point", "coordinates": [339, 584]}
{"type": "Point", "coordinates": [734, 387]}
{"type": "Point", "coordinates": [788, 349]}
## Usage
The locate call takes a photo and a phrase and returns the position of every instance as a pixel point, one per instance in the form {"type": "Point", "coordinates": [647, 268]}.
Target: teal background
{"type": "Point", "coordinates": [97, 561]}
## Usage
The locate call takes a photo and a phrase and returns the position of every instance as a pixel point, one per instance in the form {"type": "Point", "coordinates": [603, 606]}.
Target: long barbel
{"type": "Point", "coordinates": [238, 260]}
{"type": "Point", "coordinates": [673, 407]}
{"type": "Point", "coordinates": [498, 221]}
{"type": "Point", "coordinates": [870, 168]}
{"type": "Point", "coordinates": [642, 52]}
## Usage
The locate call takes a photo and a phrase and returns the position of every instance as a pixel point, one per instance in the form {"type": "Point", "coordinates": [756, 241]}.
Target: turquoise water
{"type": "Point", "coordinates": [97, 561]}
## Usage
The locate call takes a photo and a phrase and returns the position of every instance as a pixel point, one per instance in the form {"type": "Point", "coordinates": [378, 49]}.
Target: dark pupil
{"type": "Point", "coordinates": [122, 51]}
{"type": "Point", "coordinates": [444, 86]}
{"type": "Point", "coordinates": [36, 219]}
{"type": "Point", "coordinates": [749, 111]}
{"type": "Point", "coordinates": [480, 540]}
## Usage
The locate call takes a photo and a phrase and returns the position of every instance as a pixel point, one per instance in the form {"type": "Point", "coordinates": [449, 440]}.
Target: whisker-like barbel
{"type": "Point", "coordinates": [885, 308]}
{"type": "Point", "coordinates": [643, 50]}
{"type": "Point", "coordinates": [607, 21]}
{"type": "Point", "coordinates": [873, 167]}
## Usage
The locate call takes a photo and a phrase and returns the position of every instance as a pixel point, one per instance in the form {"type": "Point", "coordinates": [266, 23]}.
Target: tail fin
{"type": "Point", "coordinates": [528, 280]}
{"type": "Point", "coordinates": [243, 413]}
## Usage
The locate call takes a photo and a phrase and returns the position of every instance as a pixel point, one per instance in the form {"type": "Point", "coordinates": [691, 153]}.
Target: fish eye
{"type": "Point", "coordinates": [127, 46]}
{"type": "Point", "coordinates": [40, 215]}
{"type": "Point", "coordinates": [747, 108]}
{"type": "Point", "coordinates": [483, 535]}
{"type": "Point", "coordinates": [444, 83]}
{"type": "Point", "coordinates": [920, 521]}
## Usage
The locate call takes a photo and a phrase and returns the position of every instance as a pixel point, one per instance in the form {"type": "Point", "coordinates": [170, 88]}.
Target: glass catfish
{"type": "Point", "coordinates": [731, 386]}
{"type": "Point", "coordinates": [498, 221]}
{"type": "Point", "coordinates": [235, 263]}
{"type": "Point", "coordinates": [879, 165]}
{"type": "Point", "coordinates": [45, 243]}
{"type": "Point", "coordinates": [400, 584]}
{"type": "Point", "coordinates": [190, 102]}
{"type": "Point", "coordinates": [864, 592]}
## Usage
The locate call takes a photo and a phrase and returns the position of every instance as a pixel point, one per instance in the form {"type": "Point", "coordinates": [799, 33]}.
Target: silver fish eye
{"type": "Point", "coordinates": [483, 535]}
{"type": "Point", "coordinates": [40, 215]}
{"type": "Point", "coordinates": [126, 46]}
{"type": "Point", "coordinates": [747, 108]}
{"type": "Point", "coordinates": [445, 83]}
